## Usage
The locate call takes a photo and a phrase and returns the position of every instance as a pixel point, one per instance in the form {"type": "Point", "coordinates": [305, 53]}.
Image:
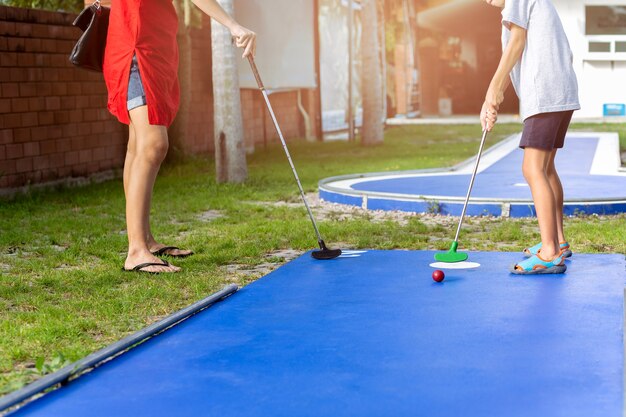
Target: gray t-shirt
{"type": "Point", "coordinates": [544, 77]}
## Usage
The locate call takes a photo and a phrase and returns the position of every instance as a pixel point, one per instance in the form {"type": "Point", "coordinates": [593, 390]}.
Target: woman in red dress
{"type": "Point", "coordinates": [141, 74]}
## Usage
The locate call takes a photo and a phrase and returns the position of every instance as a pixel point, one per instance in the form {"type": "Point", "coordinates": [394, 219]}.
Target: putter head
{"type": "Point", "coordinates": [452, 255]}
{"type": "Point", "coordinates": [324, 254]}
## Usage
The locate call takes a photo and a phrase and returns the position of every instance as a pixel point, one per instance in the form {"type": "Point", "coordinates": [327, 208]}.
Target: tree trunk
{"type": "Point", "coordinates": [371, 77]}
{"type": "Point", "coordinates": [230, 152]}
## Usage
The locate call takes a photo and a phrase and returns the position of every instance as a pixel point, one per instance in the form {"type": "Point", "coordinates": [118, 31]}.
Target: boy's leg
{"type": "Point", "coordinates": [534, 168]}
{"type": "Point", "coordinates": [557, 190]}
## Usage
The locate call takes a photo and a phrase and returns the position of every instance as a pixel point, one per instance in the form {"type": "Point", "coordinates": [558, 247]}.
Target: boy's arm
{"type": "Point", "coordinates": [501, 79]}
{"type": "Point", "coordinates": [244, 38]}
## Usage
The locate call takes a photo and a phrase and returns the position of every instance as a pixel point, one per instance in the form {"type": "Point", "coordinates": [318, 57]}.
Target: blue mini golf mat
{"type": "Point", "coordinates": [371, 334]}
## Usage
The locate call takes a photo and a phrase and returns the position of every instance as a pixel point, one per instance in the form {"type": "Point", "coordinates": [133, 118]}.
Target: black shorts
{"type": "Point", "coordinates": [546, 130]}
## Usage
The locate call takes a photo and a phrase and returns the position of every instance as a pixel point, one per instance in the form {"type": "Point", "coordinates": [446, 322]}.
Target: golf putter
{"type": "Point", "coordinates": [323, 252]}
{"type": "Point", "coordinates": [452, 255]}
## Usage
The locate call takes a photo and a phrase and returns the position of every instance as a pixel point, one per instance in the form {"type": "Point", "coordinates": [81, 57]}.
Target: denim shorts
{"type": "Point", "coordinates": [136, 94]}
{"type": "Point", "coordinates": [546, 130]}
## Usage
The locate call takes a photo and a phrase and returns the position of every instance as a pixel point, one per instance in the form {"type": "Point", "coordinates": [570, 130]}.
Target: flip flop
{"type": "Point", "coordinates": [140, 267]}
{"type": "Point", "coordinates": [533, 250]}
{"type": "Point", "coordinates": [163, 252]}
{"type": "Point", "coordinates": [535, 265]}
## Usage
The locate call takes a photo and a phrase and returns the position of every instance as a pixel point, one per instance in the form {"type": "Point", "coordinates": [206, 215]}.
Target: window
{"type": "Point", "coordinates": [599, 46]}
{"type": "Point", "coordinates": [605, 20]}
{"type": "Point", "coordinates": [620, 46]}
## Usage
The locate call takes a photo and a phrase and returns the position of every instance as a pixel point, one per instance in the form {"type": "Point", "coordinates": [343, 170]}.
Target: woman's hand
{"type": "Point", "coordinates": [244, 38]}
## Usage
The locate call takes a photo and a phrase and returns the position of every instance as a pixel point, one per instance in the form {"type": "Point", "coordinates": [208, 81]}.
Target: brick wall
{"type": "Point", "coordinates": [53, 118]}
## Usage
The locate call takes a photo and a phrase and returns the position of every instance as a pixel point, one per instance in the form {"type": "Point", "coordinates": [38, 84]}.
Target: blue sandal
{"type": "Point", "coordinates": [564, 246]}
{"type": "Point", "coordinates": [535, 265]}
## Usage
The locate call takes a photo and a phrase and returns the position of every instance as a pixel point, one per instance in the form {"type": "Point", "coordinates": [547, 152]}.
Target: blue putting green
{"type": "Point", "coordinates": [589, 166]}
{"type": "Point", "coordinates": [370, 334]}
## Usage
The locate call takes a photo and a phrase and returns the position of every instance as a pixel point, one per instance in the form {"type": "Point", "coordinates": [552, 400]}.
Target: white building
{"type": "Point", "coordinates": [596, 30]}
{"type": "Point", "coordinates": [597, 33]}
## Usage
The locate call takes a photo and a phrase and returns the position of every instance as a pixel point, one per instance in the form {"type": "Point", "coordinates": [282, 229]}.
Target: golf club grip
{"type": "Point", "coordinates": [255, 71]}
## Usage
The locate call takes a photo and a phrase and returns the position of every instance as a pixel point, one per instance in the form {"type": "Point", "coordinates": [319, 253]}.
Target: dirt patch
{"type": "Point", "coordinates": [210, 215]}
{"type": "Point", "coordinates": [274, 259]}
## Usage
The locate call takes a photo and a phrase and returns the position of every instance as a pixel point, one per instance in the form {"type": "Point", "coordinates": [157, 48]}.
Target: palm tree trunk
{"type": "Point", "coordinates": [371, 77]}
{"type": "Point", "coordinates": [230, 152]}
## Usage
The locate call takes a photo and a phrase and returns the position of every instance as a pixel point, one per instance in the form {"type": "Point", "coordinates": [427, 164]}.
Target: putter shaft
{"type": "Point", "coordinates": [471, 185]}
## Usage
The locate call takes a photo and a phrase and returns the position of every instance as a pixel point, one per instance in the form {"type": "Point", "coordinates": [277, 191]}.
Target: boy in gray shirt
{"type": "Point", "coordinates": [537, 59]}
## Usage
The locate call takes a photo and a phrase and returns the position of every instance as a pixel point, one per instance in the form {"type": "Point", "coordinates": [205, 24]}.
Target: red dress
{"type": "Point", "coordinates": [148, 29]}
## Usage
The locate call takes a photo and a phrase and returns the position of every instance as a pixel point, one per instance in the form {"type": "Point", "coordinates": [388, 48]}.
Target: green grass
{"type": "Point", "coordinates": [62, 294]}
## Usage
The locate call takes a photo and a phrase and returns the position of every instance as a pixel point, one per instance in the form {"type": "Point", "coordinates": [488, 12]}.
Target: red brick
{"type": "Point", "coordinates": [36, 103]}
{"type": "Point", "coordinates": [97, 127]}
{"type": "Point", "coordinates": [75, 88]}
{"type": "Point", "coordinates": [64, 145]}
{"type": "Point", "coordinates": [5, 105]}
{"type": "Point", "coordinates": [22, 135]}
{"type": "Point", "coordinates": [69, 130]}
{"type": "Point", "coordinates": [58, 60]}
{"type": "Point", "coordinates": [52, 74]}
{"type": "Point", "coordinates": [24, 165]}
{"type": "Point", "coordinates": [26, 59]}
{"type": "Point", "coordinates": [3, 152]}
{"type": "Point", "coordinates": [6, 136]}
{"type": "Point", "coordinates": [61, 117]}
{"type": "Point", "coordinates": [41, 163]}
{"type": "Point", "coordinates": [46, 118]}
{"type": "Point", "coordinates": [16, 44]}
{"type": "Point", "coordinates": [59, 89]}
{"type": "Point", "coordinates": [48, 45]}
{"type": "Point", "coordinates": [68, 103]}
{"type": "Point", "coordinates": [29, 119]}
{"type": "Point", "coordinates": [48, 147]}
{"type": "Point", "coordinates": [78, 143]}
{"type": "Point", "coordinates": [42, 60]}
{"type": "Point", "coordinates": [76, 116]}
{"type": "Point", "coordinates": [10, 120]}
{"type": "Point", "coordinates": [54, 132]}
{"type": "Point", "coordinates": [85, 156]}
{"type": "Point", "coordinates": [57, 160]}
{"type": "Point", "coordinates": [83, 101]}
{"type": "Point", "coordinates": [35, 74]}
{"type": "Point", "coordinates": [40, 31]}
{"type": "Point", "coordinates": [71, 158]}
{"type": "Point", "coordinates": [7, 166]}
{"type": "Point", "coordinates": [14, 151]}
{"type": "Point", "coordinates": [44, 89]}
{"type": "Point", "coordinates": [7, 28]}
{"type": "Point", "coordinates": [84, 129]}
{"type": "Point", "coordinates": [99, 154]}
{"type": "Point", "coordinates": [19, 105]}
{"type": "Point", "coordinates": [31, 148]}
{"type": "Point", "coordinates": [24, 30]}
{"type": "Point", "coordinates": [33, 45]}
{"type": "Point", "coordinates": [10, 90]}
{"type": "Point", "coordinates": [28, 89]}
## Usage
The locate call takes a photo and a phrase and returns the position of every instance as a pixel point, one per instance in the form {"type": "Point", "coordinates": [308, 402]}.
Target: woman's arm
{"type": "Point", "coordinates": [244, 38]}
{"type": "Point", "coordinates": [501, 79]}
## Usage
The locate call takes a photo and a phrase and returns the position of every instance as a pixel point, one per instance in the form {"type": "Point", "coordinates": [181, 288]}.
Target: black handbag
{"type": "Point", "coordinates": [88, 53]}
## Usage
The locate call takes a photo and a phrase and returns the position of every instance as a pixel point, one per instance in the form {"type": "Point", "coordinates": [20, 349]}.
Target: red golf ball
{"type": "Point", "coordinates": [438, 275]}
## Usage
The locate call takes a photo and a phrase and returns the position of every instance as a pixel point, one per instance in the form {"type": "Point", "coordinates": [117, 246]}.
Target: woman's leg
{"type": "Point", "coordinates": [144, 157]}
{"type": "Point", "coordinates": [535, 171]}
{"type": "Point", "coordinates": [557, 190]}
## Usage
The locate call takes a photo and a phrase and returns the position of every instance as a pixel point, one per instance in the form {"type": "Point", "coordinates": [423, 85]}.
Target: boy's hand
{"type": "Point", "coordinates": [488, 116]}
{"type": "Point", "coordinates": [489, 112]}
